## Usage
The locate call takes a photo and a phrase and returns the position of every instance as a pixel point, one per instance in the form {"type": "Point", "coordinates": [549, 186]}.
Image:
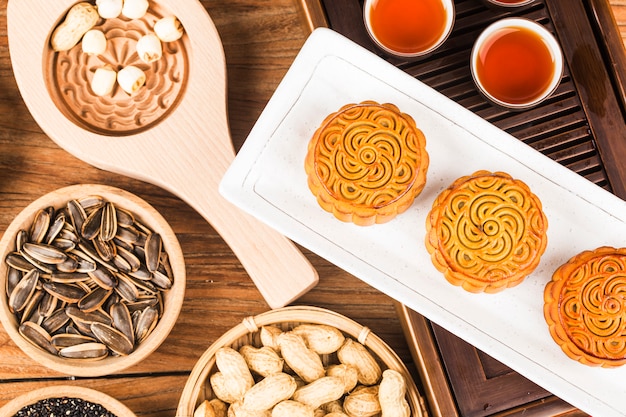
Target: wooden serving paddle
{"type": "Point", "coordinates": [173, 132]}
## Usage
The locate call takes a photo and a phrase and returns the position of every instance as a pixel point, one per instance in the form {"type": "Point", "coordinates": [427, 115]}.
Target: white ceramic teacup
{"type": "Point", "coordinates": [417, 28]}
{"type": "Point", "coordinates": [516, 63]}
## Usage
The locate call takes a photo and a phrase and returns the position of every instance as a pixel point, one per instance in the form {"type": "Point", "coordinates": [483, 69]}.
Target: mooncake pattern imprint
{"type": "Point", "coordinates": [585, 307]}
{"type": "Point", "coordinates": [486, 232]}
{"type": "Point", "coordinates": [70, 73]}
{"type": "Point", "coordinates": [367, 162]}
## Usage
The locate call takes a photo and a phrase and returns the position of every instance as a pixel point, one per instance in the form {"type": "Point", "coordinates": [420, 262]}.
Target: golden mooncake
{"type": "Point", "coordinates": [366, 163]}
{"type": "Point", "coordinates": [585, 307]}
{"type": "Point", "coordinates": [486, 232]}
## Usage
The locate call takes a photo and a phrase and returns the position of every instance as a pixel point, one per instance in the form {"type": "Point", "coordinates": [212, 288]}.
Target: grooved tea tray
{"type": "Point", "coordinates": [267, 179]}
{"type": "Point", "coordinates": [173, 132]}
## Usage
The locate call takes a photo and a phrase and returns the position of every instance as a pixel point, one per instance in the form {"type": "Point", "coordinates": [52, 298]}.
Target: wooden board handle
{"type": "Point", "coordinates": [278, 269]}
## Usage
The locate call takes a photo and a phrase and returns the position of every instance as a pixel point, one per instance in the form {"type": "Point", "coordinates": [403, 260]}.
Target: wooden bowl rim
{"type": "Point", "coordinates": [173, 298]}
{"type": "Point", "coordinates": [72, 391]}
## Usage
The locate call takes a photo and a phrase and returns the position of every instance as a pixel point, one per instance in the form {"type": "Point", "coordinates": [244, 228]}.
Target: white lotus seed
{"type": "Point", "coordinates": [135, 9]}
{"type": "Point", "coordinates": [103, 81]}
{"type": "Point", "coordinates": [94, 42]}
{"type": "Point", "coordinates": [131, 79]}
{"type": "Point", "coordinates": [149, 48]}
{"type": "Point", "coordinates": [109, 9]}
{"type": "Point", "coordinates": [168, 29]}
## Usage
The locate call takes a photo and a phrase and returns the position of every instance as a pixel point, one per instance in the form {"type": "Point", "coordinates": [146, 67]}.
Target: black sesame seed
{"type": "Point", "coordinates": [64, 407]}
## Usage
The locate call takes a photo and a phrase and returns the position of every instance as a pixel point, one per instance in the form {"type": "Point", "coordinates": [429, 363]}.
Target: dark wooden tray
{"type": "Point", "coordinates": [582, 126]}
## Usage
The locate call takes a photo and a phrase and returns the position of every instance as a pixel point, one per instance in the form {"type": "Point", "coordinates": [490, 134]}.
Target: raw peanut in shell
{"type": "Point", "coordinates": [302, 360]}
{"type": "Point", "coordinates": [320, 391]}
{"type": "Point", "coordinates": [212, 408]}
{"type": "Point", "coordinates": [269, 337]}
{"type": "Point", "coordinates": [264, 360]}
{"type": "Point", "coordinates": [204, 410]}
{"type": "Point", "coordinates": [391, 395]}
{"type": "Point", "coordinates": [219, 407]}
{"type": "Point", "coordinates": [291, 408]}
{"type": "Point", "coordinates": [237, 409]}
{"type": "Point", "coordinates": [234, 378]}
{"type": "Point", "coordinates": [347, 373]}
{"type": "Point", "coordinates": [227, 389]}
{"type": "Point", "coordinates": [321, 338]}
{"type": "Point", "coordinates": [362, 402]}
{"type": "Point", "coordinates": [268, 392]}
{"type": "Point", "coordinates": [335, 406]}
{"type": "Point", "coordinates": [356, 355]}
{"type": "Point", "coordinates": [80, 18]}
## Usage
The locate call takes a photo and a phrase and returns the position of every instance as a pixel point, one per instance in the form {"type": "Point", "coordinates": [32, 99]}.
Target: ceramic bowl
{"type": "Point", "coordinates": [169, 304]}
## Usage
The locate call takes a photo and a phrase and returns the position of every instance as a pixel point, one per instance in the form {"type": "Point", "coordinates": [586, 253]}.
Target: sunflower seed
{"type": "Point", "coordinates": [146, 323]}
{"type": "Point", "coordinates": [87, 317]}
{"type": "Point", "coordinates": [108, 228]}
{"type": "Point", "coordinates": [36, 335]}
{"type": "Point", "coordinates": [23, 291]}
{"type": "Point", "coordinates": [46, 254]}
{"type": "Point", "coordinates": [106, 250]}
{"type": "Point", "coordinates": [31, 307]}
{"type": "Point", "coordinates": [14, 276]}
{"type": "Point", "coordinates": [161, 280]}
{"type": "Point", "coordinates": [91, 202]}
{"type": "Point", "coordinates": [55, 227]}
{"type": "Point", "coordinates": [17, 261]}
{"type": "Point", "coordinates": [70, 293]}
{"type": "Point", "coordinates": [142, 273]}
{"type": "Point", "coordinates": [153, 251]}
{"type": "Point", "coordinates": [68, 234]}
{"type": "Point", "coordinates": [48, 304]}
{"type": "Point", "coordinates": [55, 321]}
{"type": "Point", "coordinates": [40, 225]}
{"type": "Point", "coordinates": [64, 244]}
{"type": "Point", "coordinates": [77, 215]}
{"type": "Point", "coordinates": [20, 239]}
{"type": "Point", "coordinates": [69, 266]}
{"type": "Point", "coordinates": [126, 289]}
{"type": "Point", "coordinates": [113, 338]}
{"type": "Point", "coordinates": [91, 252]}
{"type": "Point", "coordinates": [124, 217]}
{"type": "Point", "coordinates": [62, 340]}
{"type": "Point", "coordinates": [86, 351]}
{"type": "Point", "coordinates": [91, 226]}
{"type": "Point", "coordinates": [68, 278]}
{"type": "Point", "coordinates": [133, 261]}
{"type": "Point", "coordinates": [122, 320]}
{"type": "Point", "coordinates": [103, 278]}
{"type": "Point", "coordinates": [94, 299]}
{"type": "Point", "coordinates": [128, 235]}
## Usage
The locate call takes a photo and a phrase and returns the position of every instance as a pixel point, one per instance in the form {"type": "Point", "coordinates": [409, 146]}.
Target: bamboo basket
{"type": "Point", "coordinates": [197, 389]}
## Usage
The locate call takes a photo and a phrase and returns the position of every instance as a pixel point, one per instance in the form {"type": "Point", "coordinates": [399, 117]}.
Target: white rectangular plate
{"type": "Point", "coordinates": [268, 180]}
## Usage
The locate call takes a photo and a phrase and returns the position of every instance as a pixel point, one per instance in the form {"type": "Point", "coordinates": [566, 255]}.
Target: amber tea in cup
{"type": "Point", "coordinates": [409, 28]}
{"type": "Point", "coordinates": [516, 63]}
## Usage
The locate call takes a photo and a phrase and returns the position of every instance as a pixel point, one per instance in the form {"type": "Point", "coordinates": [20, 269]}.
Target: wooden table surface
{"type": "Point", "coordinates": [261, 39]}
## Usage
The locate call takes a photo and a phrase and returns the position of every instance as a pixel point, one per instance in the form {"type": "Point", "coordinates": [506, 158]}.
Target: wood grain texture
{"type": "Point", "coordinates": [260, 39]}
